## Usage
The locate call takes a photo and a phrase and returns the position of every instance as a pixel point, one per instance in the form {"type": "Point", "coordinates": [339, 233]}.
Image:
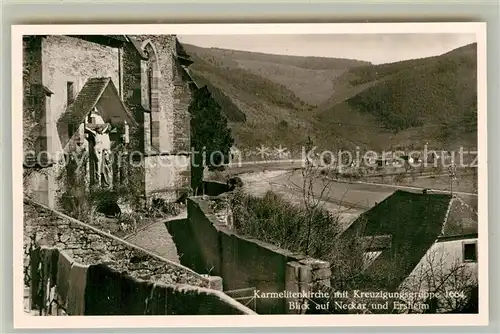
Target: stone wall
{"type": "Point", "coordinates": [87, 245]}
{"type": "Point", "coordinates": [164, 46]}
{"type": "Point", "coordinates": [63, 286]}
{"type": "Point", "coordinates": [40, 184]}
{"type": "Point", "coordinates": [182, 117]}
{"type": "Point", "coordinates": [119, 278]}
{"type": "Point", "coordinates": [167, 176]}
{"type": "Point", "coordinates": [32, 97]}
{"type": "Point", "coordinates": [167, 172]}
{"type": "Point", "coordinates": [132, 92]}
{"type": "Point", "coordinates": [245, 262]}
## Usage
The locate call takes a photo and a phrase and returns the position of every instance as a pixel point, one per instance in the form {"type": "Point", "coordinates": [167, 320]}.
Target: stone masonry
{"type": "Point", "coordinates": [245, 262]}
{"type": "Point", "coordinates": [88, 245]}
{"type": "Point", "coordinates": [151, 81]}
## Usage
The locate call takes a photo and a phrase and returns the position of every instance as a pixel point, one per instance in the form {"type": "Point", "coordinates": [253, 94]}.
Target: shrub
{"type": "Point", "coordinates": [274, 220]}
{"type": "Point", "coordinates": [161, 208]}
{"type": "Point", "coordinates": [129, 221]}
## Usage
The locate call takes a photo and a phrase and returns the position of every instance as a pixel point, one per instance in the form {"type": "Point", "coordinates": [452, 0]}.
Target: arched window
{"type": "Point", "coordinates": [150, 83]}
{"type": "Point", "coordinates": [152, 74]}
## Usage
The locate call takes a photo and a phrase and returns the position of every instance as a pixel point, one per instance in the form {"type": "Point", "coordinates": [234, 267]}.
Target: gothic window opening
{"type": "Point", "coordinates": [151, 80]}
{"type": "Point", "coordinates": [150, 83]}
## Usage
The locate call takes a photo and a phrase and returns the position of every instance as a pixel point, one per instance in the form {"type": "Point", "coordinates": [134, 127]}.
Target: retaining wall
{"type": "Point", "coordinates": [61, 286]}
{"type": "Point", "coordinates": [108, 267]}
{"type": "Point", "coordinates": [244, 262]}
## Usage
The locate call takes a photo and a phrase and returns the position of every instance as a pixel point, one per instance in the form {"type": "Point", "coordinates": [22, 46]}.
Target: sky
{"type": "Point", "coordinates": [375, 48]}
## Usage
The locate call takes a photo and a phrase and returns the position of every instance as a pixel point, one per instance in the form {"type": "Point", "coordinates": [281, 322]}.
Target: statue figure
{"type": "Point", "coordinates": [101, 154]}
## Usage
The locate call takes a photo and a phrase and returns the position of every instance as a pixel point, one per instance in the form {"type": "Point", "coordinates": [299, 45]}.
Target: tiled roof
{"type": "Point", "coordinates": [86, 100]}
{"type": "Point", "coordinates": [461, 222]}
{"type": "Point", "coordinates": [117, 40]}
{"type": "Point", "coordinates": [414, 221]}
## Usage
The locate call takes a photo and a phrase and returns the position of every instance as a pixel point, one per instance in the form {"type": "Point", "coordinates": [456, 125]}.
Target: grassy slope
{"type": "Point", "coordinates": [274, 99]}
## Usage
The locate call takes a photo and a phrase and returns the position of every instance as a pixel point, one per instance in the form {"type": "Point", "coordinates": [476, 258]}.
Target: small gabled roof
{"type": "Point", "coordinates": [86, 100]}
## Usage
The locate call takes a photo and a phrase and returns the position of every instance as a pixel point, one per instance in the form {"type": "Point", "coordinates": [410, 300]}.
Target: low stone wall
{"type": "Point", "coordinates": [109, 261]}
{"type": "Point", "coordinates": [245, 262]}
{"type": "Point", "coordinates": [88, 245]}
{"type": "Point", "coordinates": [62, 286]}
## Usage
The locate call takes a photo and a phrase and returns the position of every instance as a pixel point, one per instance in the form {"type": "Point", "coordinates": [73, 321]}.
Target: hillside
{"type": "Point", "coordinates": [259, 93]}
{"type": "Point", "coordinates": [309, 78]}
{"type": "Point", "coordinates": [431, 99]}
{"type": "Point", "coordinates": [277, 99]}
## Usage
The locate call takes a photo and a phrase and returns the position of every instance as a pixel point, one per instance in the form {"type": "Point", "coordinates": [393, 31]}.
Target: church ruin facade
{"type": "Point", "coordinates": [122, 101]}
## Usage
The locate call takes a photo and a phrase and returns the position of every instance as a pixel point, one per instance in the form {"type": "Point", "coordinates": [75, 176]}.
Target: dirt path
{"type": "Point", "coordinates": [156, 239]}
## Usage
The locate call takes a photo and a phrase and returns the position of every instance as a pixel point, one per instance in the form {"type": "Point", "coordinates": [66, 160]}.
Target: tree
{"type": "Point", "coordinates": [314, 188]}
{"type": "Point", "coordinates": [210, 136]}
{"type": "Point", "coordinates": [448, 282]}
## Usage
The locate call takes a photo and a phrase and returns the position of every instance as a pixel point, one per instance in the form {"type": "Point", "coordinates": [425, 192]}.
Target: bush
{"type": "Point", "coordinates": [274, 220]}
{"type": "Point", "coordinates": [129, 221]}
{"type": "Point", "coordinates": [161, 208]}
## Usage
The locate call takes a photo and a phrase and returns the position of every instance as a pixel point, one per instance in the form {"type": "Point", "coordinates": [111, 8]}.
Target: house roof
{"type": "Point", "coordinates": [461, 221]}
{"type": "Point", "coordinates": [86, 100]}
{"type": "Point", "coordinates": [414, 221]}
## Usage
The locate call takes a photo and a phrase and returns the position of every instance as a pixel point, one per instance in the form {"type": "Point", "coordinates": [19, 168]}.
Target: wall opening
{"type": "Point", "coordinates": [470, 252]}
{"type": "Point", "coordinates": [152, 81]}
{"type": "Point", "coordinates": [70, 92]}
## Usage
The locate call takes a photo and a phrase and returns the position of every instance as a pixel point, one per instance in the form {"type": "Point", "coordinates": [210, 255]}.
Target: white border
{"type": "Point", "coordinates": [21, 320]}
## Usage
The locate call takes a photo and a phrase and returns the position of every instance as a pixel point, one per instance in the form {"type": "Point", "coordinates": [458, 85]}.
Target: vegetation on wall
{"type": "Point", "coordinates": [102, 207]}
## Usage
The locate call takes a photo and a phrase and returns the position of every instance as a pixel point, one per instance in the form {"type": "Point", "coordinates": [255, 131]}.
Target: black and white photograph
{"type": "Point", "coordinates": [205, 170]}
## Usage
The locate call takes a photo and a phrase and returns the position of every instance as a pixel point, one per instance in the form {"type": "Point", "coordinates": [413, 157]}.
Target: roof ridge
{"type": "Point", "coordinates": [446, 216]}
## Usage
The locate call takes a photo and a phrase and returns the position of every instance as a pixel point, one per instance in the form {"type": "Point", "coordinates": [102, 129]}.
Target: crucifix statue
{"type": "Point", "coordinates": [100, 151]}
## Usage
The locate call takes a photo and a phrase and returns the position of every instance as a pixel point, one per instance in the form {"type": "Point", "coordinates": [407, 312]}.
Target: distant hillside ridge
{"type": "Point", "coordinates": [342, 103]}
{"type": "Point", "coordinates": [437, 95]}
{"type": "Point", "coordinates": [314, 63]}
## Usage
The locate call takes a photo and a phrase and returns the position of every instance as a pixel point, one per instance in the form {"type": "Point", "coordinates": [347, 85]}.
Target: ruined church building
{"type": "Point", "coordinates": [129, 90]}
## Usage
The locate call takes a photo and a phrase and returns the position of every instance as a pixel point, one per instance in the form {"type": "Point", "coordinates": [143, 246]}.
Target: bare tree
{"type": "Point", "coordinates": [442, 282]}
{"type": "Point", "coordinates": [315, 187]}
